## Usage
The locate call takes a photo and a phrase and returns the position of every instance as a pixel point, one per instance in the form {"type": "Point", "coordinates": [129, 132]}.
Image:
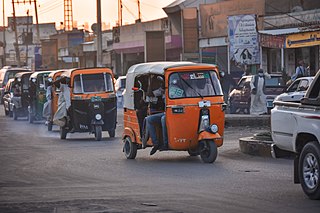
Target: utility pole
{"type": "Point", "coordinates": [99, 35]}
{"type": "Point", "coordinates": [139, 12]}
{"type": "Point", "coordinates": [120, 13]}
{"type": "Point", "coordinates": [4, 35]}
{"type": "Point", "coordinates": [26, 38]}
{"type": "Point", "coordinates": [16, 46]}
{"type": "Point", "coordinates": [37, 20]}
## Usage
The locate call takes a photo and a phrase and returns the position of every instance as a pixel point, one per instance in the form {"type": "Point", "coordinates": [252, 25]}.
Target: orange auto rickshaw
{"type": "Point", "coordinates": [93, 103]}
{"type": "Point", "coordinates": [194, 108]}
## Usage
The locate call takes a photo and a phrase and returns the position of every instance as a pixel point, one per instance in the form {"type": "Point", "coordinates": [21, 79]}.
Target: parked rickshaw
{"type": "Point", "coordinates": [37, 93]}
{"type": "Point", "coordinates": [8, 94]}
{"type": "Point", "coordinates": [20, 98]}
{"type": "Point", "coordinates": [93, 102]}
{"type": "Point", "coordinates": [194, 108]}
{"type": "Point", "coordinates": [54, 76]}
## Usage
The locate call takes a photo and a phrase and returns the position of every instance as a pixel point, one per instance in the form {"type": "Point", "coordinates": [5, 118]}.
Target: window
{"type": "Point", "coordinates": [275, 81]}
{"type": "Point", "coordinates": [194, 84]}
{"type": "Point", "coordinates": [92, 83]}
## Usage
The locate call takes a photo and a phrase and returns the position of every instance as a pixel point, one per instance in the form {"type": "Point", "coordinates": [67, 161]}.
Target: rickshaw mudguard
{"type": "Point", "coordinates": [95, 122]}
{"type": "Point", "coordinates": [216, 137]}
{"type": "Point", "coordinates": [128, 132]}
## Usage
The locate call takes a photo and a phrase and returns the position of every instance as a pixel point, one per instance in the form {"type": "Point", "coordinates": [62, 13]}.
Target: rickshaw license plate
{"type": "Point", "coordinates": [95, 98]}
{"type": "Point", "coordinates": [177, 110]}
{"type": "Point", "coordinates": [204, 104]}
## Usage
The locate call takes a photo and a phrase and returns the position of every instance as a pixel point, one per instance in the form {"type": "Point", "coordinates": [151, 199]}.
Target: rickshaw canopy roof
{"type": "Point", "coordinates": [20, 74]}
{"type": "Point", "coordinates": [68, 73]}
{"type": "Point", "coordinates": [35, 74]}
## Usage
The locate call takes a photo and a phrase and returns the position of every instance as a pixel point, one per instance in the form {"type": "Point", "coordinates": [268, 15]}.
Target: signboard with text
{"type": "Point", "coordinates": [243, 38]}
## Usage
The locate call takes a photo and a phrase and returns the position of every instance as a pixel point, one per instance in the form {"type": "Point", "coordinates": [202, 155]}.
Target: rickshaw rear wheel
{"type": "Point", "coordinates": [129, 148]}
{"type": "Point", "coordinates": [14, 114]}
{"type": "Point", "coordinates": [31, 118]}
{"type": "Point", "coordinates": [112, 133]}
{"type": "Point", "coordinates": [50, 126]}
{"type": "Point", "coordinates": [98, 132]}
{"type": "Point", "coordinates": [209, 152]}
{"type": "Point", "coordinates": [63, 133]}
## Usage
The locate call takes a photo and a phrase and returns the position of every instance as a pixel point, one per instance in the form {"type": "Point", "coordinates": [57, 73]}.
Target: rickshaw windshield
{"type": "Point", "coordinates": [194, 84]}
{"type": "Point", "coordinates": [42, 82]}
{"type": "Point", "coordinates": [92, 83]}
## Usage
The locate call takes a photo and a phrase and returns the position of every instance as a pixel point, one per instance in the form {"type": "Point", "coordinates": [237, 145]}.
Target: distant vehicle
{"type": "Point", "coordinates": [120, 86]}
{"type": "Point", "coordinates": [7, 73]}
{"type": "Point", "coordinates": [240, 97]}
{"type": "Point", "coordinates": [8, 94]}
{"type": "Point", "coordinates": [296, 90]}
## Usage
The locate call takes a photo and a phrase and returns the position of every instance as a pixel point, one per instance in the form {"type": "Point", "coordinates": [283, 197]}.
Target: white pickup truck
{"type": "Point", "coordinates": [295, 128]}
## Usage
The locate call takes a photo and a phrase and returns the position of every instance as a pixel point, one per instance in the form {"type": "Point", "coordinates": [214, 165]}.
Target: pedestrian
{"type": "Point", "coordinates": [258, 97]}
{"type": "Point", "coordinates": [227, 84]}
{"type": "Point", "coordinates": [300, 71]}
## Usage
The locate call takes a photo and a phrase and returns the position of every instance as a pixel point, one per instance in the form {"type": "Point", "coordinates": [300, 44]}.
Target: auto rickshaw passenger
{"type": "Point", "coordinates": [200, 86]}
{"type": "Point", "coordinates": [64, 103]}
{"type": "Point", "coordinates": [158, 118]}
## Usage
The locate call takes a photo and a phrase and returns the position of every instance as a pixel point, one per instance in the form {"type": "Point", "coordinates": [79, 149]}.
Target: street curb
{"type": "Point", "coordinates": [247, 120]}
{"type": "Point", "coordinates": [251, 146]}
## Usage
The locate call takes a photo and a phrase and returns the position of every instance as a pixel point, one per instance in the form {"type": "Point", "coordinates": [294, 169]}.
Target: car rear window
{"type": "Point", "coordinates": [275, 81]}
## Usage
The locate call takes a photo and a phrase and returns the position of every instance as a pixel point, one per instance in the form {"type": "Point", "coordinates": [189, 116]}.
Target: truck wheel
{"type": "Point", "coordinates": [63, 133]}
{"type": "Point", "coordinates": [98, 132]}
{"type": "Point", "coordinates": [129, 148]}
{"type": "Point", "coordinates": [309, 170]}
{"type": "Point", "coordinates": [209, 152]}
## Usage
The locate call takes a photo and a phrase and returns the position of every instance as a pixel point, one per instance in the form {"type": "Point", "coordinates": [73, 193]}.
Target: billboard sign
{"type": "Point", "coordinates": [243, 39]}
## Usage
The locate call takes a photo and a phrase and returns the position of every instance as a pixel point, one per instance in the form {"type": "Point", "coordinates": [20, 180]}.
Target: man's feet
{"type": "Point", "coordinates": [154, 149]}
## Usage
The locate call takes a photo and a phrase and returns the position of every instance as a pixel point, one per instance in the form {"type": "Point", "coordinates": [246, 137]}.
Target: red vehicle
{"type": "Point", "coordinates": [240, 97]}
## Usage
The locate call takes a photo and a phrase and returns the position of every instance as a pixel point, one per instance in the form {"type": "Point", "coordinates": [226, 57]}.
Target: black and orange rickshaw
{"type": "Point", "coordinates": [93, 102]}
{"type": "Point", "coordinates": [194, 119]}
{"type": "Point", "coordinates": [37, 92]}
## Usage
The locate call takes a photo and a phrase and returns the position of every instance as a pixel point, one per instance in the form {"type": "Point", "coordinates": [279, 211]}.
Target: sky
{"type": "Point", "coordinates": [85, 10]}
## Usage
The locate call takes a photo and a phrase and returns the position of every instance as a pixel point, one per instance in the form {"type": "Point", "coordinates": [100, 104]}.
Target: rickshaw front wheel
{"type": "Point", "coordinates": [209, 151]}
{"type": "Point", "coordinates": [129, 148]}
{"type": "Point", "coordinates": [63, 133]}
{"type": "Point", "coordinates": [98, 132]}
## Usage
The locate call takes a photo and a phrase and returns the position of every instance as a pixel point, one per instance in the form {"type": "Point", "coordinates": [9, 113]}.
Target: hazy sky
{"type": "Point", "coordinates": [85, 10]}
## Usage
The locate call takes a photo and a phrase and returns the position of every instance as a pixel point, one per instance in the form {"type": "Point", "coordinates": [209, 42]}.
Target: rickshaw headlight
{"type": "Point", "coordinates": [98, 117]}
{"type": "Point", "coordinates": [19, 79]}
{"type": "Point", "coordinates": [34, 80]}
{"type": "Point", "coordinates": [214, 128]}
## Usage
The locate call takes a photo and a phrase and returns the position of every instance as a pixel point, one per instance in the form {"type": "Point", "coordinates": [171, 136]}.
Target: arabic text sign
{"type": "Point", "coordinates": [306, 39]}
{"type": "Point", "coordinates": [243, 37]}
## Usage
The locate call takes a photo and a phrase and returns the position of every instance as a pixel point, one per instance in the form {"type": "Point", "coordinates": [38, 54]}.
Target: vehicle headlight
{"type": "Point", "coordinates": [34, 80]}
{"type": "Point", "coordinates": [19, 79]}
{"type": "Point", "coordinates": [98, 117]}
{"type": "Point", "coordinates": [214, 128]}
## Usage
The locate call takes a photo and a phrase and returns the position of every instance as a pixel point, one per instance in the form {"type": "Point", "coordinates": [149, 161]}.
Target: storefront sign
{"type": "Point", "coordinates": [306, 39]}
{"type": "Point", "coordinates": [272, 41]}
{"type": "Point", "coordinates": [243, 38]}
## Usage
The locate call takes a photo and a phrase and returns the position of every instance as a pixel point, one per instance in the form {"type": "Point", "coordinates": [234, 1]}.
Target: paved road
{"type": "Point", "coordinates": [41, 173]}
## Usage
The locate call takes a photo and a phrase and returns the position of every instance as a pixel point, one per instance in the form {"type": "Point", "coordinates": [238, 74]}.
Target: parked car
{"type": "Point", "coordinates": [120, 86]}
{"type": "Point", "coordinates": [296, 90]}
{"type": "Point", "coordinates": [7, 73]}
{"type": "Point", "coordinates": [8, 93]}
{"type": "Point", "coordinates": [240, 97]}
